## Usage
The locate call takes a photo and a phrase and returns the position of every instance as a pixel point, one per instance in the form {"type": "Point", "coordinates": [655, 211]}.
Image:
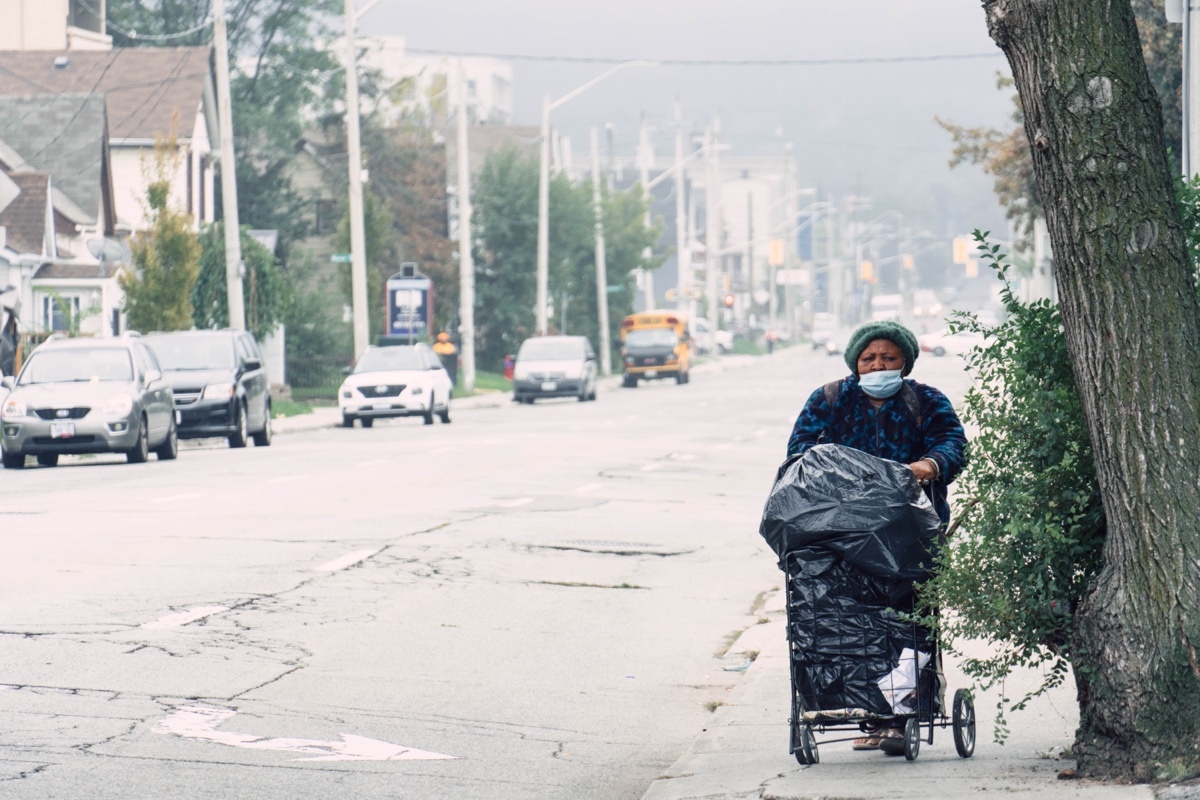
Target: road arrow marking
{"type": "Point", "coordinates": [200, 722]}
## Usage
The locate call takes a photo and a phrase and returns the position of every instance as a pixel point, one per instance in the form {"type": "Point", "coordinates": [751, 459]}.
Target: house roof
{"type": "Point", "coordinates": [24, 218]}
{"type": "Point", "coordinates": [75, 272]}
{"type": "Point", "coordinates": [63, 135]}
{"type": "Point", "coordinates": [149, 90]}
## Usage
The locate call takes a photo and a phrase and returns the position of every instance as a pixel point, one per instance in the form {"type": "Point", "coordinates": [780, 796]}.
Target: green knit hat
{"type": "Point", "coordinates": [894, 332]}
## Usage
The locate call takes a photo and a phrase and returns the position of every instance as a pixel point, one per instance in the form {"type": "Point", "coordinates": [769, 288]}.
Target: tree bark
{"type": "Point", "coordinates": [1132, 325]}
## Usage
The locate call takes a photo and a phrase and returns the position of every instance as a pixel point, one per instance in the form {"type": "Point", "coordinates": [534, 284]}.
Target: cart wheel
{"type": "Point", "coordinates": [808, 744]}
{"type": "Point", "coordinates": [797, 747]}
{"type": "Point", "coordinates": [964, 723]}
{"type": "Point", "coordinates": [912, 739]}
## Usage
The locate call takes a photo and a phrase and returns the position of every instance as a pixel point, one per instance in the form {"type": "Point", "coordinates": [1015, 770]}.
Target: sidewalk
{"type": "Point", "coordinates": [743, 752]}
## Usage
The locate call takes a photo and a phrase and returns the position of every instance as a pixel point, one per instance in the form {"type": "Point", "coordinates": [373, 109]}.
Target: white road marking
{"type": "Point", "coordinates": [723, 446]}
{"type": "Point", "coordinates": [588, 487]}
{"type": "Point", "coordinates": [183, 617]}
{"type": "Point", "coordinates": [348, 560]}
{"type": "Point", "coordinates": [651, 467]}
{"type": "Point", "coordinates": [373, 463]}
{"type": "Point", "coordinates": [286, 478]}
{"type": "Point", "coordinates": [520, 501]}
{"type": "Point", "coordinates": [200, 722]}
{"type": "Point", "coordinates": [175, 498]}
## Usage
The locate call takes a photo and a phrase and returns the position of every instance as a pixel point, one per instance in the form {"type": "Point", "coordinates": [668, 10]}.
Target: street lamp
{"type": "Point", "coordinates": [543, 232]}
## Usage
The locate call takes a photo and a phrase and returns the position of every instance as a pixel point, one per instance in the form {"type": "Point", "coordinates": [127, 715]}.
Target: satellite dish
{"type": "Point", "coordinates": [108, 251]}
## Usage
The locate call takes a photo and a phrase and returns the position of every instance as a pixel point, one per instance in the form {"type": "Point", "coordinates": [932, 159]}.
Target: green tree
{"type": "Point", "coordinates": [380, 255]}
{"type": "Point", "coordinates": [281, 75]}
{"type": "Point", "coordinates": [265, 288]}
{"type": "Point", "coordinates": [166, 257]}
{"type": "Point", "coordinates": [1131, 322]}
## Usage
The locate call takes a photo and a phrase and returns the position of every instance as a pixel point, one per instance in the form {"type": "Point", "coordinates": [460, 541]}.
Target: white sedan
{"type": "Point", "coordinates": [398, 381]}
{"type": "Point", "coordinates": [942, 342]}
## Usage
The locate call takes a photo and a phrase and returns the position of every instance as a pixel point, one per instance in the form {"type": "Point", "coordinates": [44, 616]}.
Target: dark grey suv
{"type": "Point", "coordinates": [219, 384]}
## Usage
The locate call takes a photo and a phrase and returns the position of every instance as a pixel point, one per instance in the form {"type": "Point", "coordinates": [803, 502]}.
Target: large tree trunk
{"type": "Point", "coordinates": [1133, 330]}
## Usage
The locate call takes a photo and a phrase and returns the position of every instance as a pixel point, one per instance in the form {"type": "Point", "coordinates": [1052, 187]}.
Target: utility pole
{"type": "Point", "coordinates": [683, 258]}
{"type": "Point", "coordinates": [543, 232]}
{"type": "Point", "coordinates": [233, 231]}
{"type": "Point", "coordinates": [358, 255]}
{"type": "Point", "coordinates": [466, 268]}
{"type": "Point", "coordinates": [648, 299]}
{"type": "Point", "coordinates": [712, 225]}
{"type": "Point", "coordinates": [601, 266]}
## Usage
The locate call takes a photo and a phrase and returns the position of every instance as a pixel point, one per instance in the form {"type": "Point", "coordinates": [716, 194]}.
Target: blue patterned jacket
{"type": "Point", "coordinates": [887, 432]}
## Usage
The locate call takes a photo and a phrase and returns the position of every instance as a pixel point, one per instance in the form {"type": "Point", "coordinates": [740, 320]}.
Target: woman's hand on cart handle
{"type": "Point", "coordinates": [924, 470]}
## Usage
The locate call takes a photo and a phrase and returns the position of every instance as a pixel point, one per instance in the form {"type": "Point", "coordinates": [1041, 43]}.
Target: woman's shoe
{"type": "Point", "coordinates": [867, 743]}
{"type": "Point", "coordinates": [891, 741]}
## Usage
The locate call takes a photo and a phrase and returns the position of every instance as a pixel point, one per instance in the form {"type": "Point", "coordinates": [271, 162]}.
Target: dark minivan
{"type": "Point", "coordinates": [219, 383]}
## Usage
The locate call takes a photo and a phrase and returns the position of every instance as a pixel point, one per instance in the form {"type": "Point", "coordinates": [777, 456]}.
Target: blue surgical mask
{"type": "Point", "coordinates": [881, 384]}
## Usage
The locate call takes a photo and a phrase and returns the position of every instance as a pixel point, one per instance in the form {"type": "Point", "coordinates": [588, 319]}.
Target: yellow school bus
{"type": "Point", "coordinates": [654, 345]}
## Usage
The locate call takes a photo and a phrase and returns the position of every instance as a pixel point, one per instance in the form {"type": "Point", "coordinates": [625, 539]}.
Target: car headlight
{"type": "Point", "coordinates": [347, 394]}
{"type": "Point", "coordinates": [218, 391]}
{"type": "Point", "coordinates": [14, 409]}
{"type": "Point", "coordinates": [118, 405]}
{"type": "Point", "coordinates": [520, 373]}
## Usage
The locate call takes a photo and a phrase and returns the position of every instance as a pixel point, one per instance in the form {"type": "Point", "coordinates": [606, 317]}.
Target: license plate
{"type": "Point", "coordinates": [549, 386]}
{"type": "Point", "coordinates": [651, 373]}
{"type": "Point", "coordinates": [62, 430]}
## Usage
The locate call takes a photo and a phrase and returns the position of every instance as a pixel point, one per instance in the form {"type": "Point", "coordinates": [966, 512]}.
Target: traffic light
{"type": "Point", "coordinates": [908, 261]}
{"type": "Point", "coordinates": [866, 271]}
{"type": "Point", "coordinates": [961, 243]}
{"type": "Point", "coordinates": [775, 253]}
{"type": "Point", "coordinates": [729, 301]}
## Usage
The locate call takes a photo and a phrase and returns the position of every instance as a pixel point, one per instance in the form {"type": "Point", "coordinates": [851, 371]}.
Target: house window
{"type": "Point", "coordinates": [58, 313]}
{"type": "Point", "coordinates": [325, 223]}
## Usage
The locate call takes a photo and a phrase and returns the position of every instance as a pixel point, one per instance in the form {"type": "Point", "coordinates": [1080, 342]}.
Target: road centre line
{"type": "Point", "coordinates": [348, 560]}
{"type": "Point", "coordinates": [588, 487]}
{"type": "Point", "coordinates": [183, 617]}
{"type": "Point", "coordinates": [177, 497]}
{"type": "Point", "coordinates": [652, 466]}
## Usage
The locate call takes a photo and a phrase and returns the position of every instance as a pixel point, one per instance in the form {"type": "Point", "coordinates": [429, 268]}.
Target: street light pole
{"type": "Point", "coordinates": [543, 234]}
{"type": "Point", "coordinates": [358, 256]}
{"type": "Point", "coordinates": [466, 268]}
{"type": "Point", "coordinates": [229, 208]}
{"type": "Point", "coordinates": [605, 344]}
{"type": "Point", "coordinates": [683, 267]}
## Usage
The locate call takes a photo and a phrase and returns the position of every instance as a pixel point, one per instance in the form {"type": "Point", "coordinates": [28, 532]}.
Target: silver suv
{"type": "Point", "coordinates": [88, 396]}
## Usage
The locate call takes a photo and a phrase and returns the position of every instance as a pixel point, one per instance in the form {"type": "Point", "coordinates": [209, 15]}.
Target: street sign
{"type": "Point", "coordinates": [340, 258]}
{"type": "Point", "coordinates": [614, 288]}
{"type": "Point", "coordinates": [409, 304]}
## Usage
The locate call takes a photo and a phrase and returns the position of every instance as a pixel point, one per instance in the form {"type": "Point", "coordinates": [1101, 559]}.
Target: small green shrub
{"type": "Point", "coordinates": [1030, 529]}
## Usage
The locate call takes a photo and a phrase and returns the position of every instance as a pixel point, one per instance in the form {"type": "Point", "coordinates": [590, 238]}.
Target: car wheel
{"type": "Point", "coordinates": [239, 437]}
{"type": "Point", "coordinates": [263, 437]}
{"type": "Point", "coordinates": [444, 416]}
{"type": "Point", "coordinates": [366, 422]}
{"type": "Point", "coordinates": [13, 460]}
{"type": "Point", "coordinates": [428, 416]}
{"type": "Point", "coordinates": [169, 449]}
{"type": "Point", "coordinates": [939, 351]}
{"type": "Point", "coordinates": [47, 459]}
{"type": "Point", "coordinates": [140, 451]}
{"type": "Point", "coordinates": [347, 420]}
{"type": "Point", "coordinates": [629, 381]}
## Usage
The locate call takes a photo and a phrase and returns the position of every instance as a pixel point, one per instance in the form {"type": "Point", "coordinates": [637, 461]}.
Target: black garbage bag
{"type": "Point", "coordinates": [868, 510]}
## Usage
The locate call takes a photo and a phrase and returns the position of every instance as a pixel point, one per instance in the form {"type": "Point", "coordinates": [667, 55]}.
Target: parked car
{"type": "Point", "coordinates": [942, 342]}
{"type": "Point", "coordinates": [77, 396]}
{"type": "Point", "coordinates": [395, 381]}
{"type": "Point", "coordinates": [823, 326]}
{"type": "Point", "coordinates": [555, 366]}
{"type": "Point", "coordinates": [219, 384]}
{"type": "Point", "coordinates": [709, 341]}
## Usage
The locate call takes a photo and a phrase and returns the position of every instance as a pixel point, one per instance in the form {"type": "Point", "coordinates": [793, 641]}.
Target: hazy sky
{"type": "Point", "coordinates": [867, 126]}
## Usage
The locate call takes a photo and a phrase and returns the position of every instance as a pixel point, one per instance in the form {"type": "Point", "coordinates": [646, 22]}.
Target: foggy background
{"type": "Point", "coordinates": [864, 129]}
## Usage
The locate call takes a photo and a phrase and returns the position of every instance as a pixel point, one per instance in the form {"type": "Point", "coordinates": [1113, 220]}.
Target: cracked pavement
{"type": "Point", "coordinates": [543, 595]}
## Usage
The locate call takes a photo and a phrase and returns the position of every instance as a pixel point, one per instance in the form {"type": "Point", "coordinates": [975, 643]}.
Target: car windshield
{"type": "Point", "coordinates": [192, 352]}
{"type": "Point", "coordinates": [388, 359]}
{"type": "Point", "coordinates": [652, 337]}
{"type": "Point", "coordinates": [82, 364]}
{"type": "Point", "coordinates": [549, 350]}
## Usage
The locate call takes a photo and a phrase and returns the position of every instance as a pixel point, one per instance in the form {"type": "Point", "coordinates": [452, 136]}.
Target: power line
{"type": "Point", "coordinates": [163, 37]}
{"type": "Point", "coordinates": [686, 62]}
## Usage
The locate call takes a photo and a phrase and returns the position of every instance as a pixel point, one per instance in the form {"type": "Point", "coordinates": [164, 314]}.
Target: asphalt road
{"type": "Point", "coordinates": [543, 593]}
